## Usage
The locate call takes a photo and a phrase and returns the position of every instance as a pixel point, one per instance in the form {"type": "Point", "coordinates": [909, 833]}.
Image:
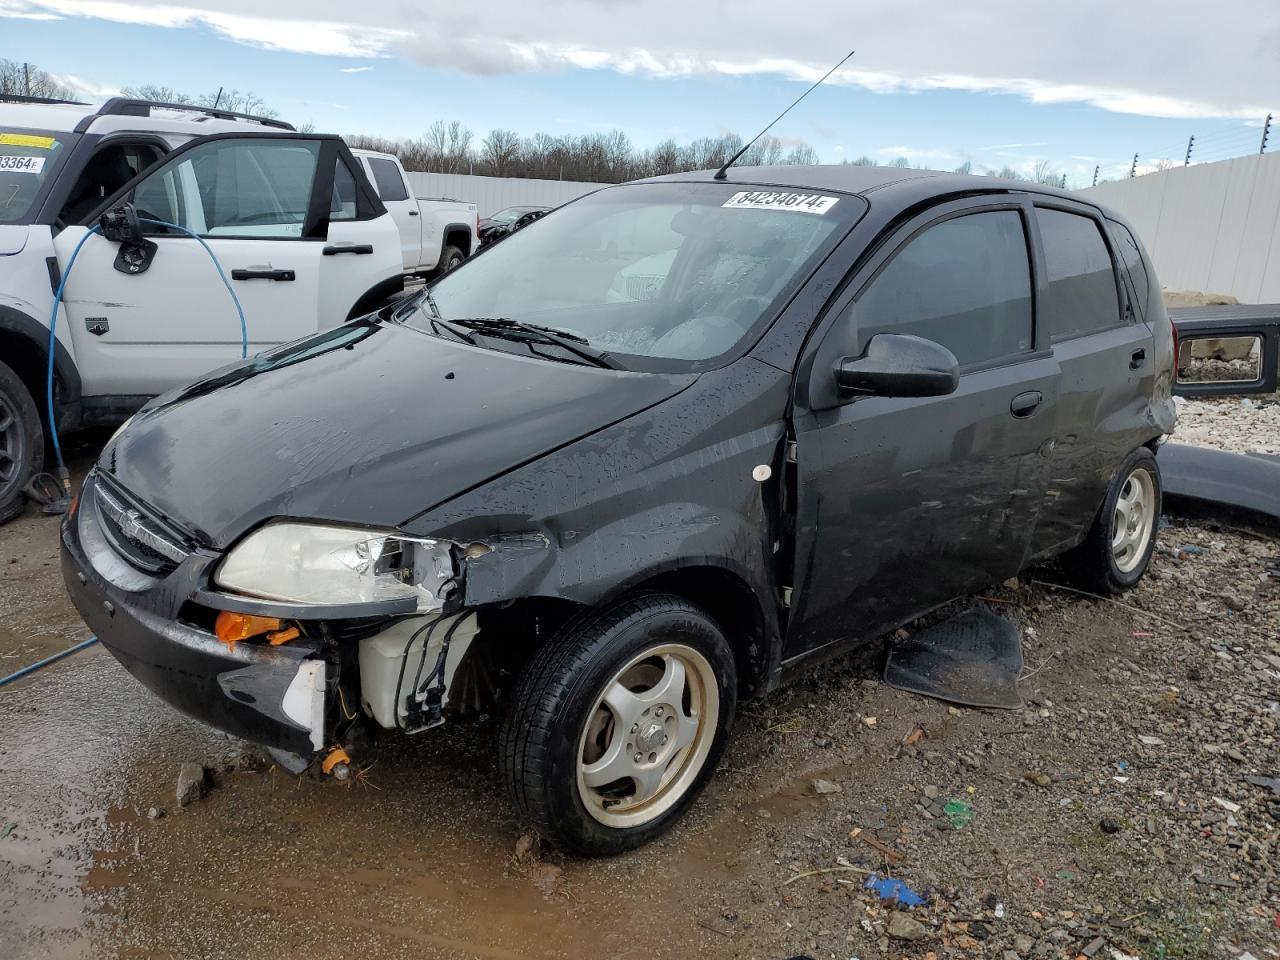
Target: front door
{"type": "Point", "coordinates": [903, 504]}
{"type": "Point", "coordinates": [275, 210]}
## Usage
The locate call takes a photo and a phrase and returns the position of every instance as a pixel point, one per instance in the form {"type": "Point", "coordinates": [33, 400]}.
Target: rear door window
{"type": "Point", "coordinates": [964, 283]}
{"type": "Point", "coordinates": [1082, 296]}
{"type": "Point", "coordinates": [386, 177]}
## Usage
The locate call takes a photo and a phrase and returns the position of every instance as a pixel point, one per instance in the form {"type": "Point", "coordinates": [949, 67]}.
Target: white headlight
{"type": "Point", "coordinates": [323, 565]}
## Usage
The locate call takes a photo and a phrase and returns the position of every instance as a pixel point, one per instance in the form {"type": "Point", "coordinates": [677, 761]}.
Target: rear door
{"type": "Point", "coordinates": [1107, 355]}
{"type": "Point", "coordinates": [392, 189]}
{"type": "Point", "coordinates": [298, 236]}
{"type": "Point", "coordinates": [904, 503]}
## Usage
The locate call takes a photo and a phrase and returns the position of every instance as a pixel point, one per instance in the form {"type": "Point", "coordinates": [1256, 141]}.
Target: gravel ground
{"type": "Point", "coordinates": [1241, 424]}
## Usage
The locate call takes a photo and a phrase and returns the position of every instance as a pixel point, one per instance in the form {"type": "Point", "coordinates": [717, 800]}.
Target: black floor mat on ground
{"type": "Point", "coordinates": [972, 659]}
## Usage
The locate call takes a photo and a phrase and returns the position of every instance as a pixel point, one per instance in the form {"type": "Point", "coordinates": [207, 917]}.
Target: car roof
{"type": "Point", "coordinates": [906, 186]}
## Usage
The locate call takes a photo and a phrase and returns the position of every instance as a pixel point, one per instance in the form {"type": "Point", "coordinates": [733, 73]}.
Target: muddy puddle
{"type": "Point", "coordinates": [418, 856]}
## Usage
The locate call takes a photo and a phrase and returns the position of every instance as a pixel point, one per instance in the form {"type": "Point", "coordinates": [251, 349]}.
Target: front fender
{"type": "Point", "coordinates": [673, 486]}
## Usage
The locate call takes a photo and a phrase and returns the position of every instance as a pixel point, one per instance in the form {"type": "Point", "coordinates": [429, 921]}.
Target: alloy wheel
{"type": "Point", "coordinates": [1134, 520]}
{"type": "Point", "coordinates": [648, 735]}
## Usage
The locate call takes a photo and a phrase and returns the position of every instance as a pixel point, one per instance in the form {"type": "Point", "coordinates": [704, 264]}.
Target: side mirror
{"type": "Point", "coordinates": [120, 225]}
{"type": "Point", "coordinates": [898, 365]}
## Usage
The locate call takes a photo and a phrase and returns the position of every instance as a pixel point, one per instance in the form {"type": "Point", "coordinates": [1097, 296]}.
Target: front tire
{"type": "Point", "coordinates": [618, 723]}
{"type": "Point", "coordinates": [21, 443]}
{"type": "Point", "coordinates": [1116, 553]}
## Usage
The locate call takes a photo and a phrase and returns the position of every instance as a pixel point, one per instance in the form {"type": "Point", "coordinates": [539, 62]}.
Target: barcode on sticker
{"type": "Point", "coordinates": [772, 200]}
{"type": "Point", "coordinates": [9, 162]}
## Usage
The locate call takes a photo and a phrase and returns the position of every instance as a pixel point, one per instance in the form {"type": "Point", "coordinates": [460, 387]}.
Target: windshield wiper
{"type": "Point", "coordinates": [437, 321]}
{"type": "Point", "coordinates": [504, 327]}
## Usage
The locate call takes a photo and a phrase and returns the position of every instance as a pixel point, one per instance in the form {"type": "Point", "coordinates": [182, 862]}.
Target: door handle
{"type": "Point", "coordinates": [413, 213]}
{"type": "Point", "coordinates": [334, 249]}
{"type": "Point", "coordinates": [1137, 358]}
{"type": "Point", "coordinates": [1025, 404]}
{"type": "Point", "coordinates": [258, 273]}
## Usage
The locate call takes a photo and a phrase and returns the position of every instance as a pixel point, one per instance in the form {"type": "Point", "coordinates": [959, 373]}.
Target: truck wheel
{"type": "Point", "coordinates": [617, 724]}
{"type": "Point", "coordinates": [1117, 551]}
{"type": "Point", "coordinates": [21, 443]}
{"type": "Point", "coordinates": [450, 257]}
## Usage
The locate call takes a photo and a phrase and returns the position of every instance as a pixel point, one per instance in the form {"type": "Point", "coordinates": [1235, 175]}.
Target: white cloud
{"type": "Point", "coordinates": [1135, 65]}
{"type": "Point", "coordinates": [354, 69]}
{"type": "Point", "coordinates": [89, 88]}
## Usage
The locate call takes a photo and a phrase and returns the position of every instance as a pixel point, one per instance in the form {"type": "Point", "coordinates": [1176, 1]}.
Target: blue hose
{"type": "Point", "coordinates": [63, 475]}
{"type": "Point", "coordinates": [19, 674]}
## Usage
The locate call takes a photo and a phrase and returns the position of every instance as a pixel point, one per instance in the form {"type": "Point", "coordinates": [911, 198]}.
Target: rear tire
{"type": "Point", "coordinates": [617, 724]}
{"type": "Point", "coordinates": [1116, 553]}
{"type": "Point", "coordinates": [21, 443]}
{"type": "Point", "coordinates": [450, 258]}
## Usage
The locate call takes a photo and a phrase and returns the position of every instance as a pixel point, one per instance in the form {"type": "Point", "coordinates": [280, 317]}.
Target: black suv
{"type": "Point", "coordinates": [645, 457]}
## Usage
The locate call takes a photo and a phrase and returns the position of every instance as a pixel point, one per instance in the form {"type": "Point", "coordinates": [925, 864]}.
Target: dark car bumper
{"type": "Point", "coordinates": [274, 696]}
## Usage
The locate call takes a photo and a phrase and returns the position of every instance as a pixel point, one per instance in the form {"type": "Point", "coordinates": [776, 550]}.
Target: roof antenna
{"type": "Point", "coordinates": [720, 174]}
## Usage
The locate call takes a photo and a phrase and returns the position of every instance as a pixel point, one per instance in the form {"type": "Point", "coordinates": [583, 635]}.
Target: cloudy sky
{"type": "Point", "coordinates": [994, 82]}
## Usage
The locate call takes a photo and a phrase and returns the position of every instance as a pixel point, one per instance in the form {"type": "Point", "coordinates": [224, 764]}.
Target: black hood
{"type": "Point", "coordinates": [370, 423]}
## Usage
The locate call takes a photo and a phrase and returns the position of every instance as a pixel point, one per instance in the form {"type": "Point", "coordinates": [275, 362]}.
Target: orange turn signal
{"type": "Point", "coordinates": [232, 627]}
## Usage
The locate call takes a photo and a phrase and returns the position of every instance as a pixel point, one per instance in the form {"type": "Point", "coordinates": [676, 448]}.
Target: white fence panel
{"type": "Point", "coordinates": [1212, 227]}
{"type": "Point", "coordinates": [491, 194]}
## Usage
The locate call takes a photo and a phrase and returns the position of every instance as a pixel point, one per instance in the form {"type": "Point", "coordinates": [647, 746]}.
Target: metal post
{"type": "Point", "coordinates": [1096, 168]}
{"type": "Point", "coordinates": [218, 99]}
{"type": "Point", "coordinates": [26, 74]}
{"type": "Point", "coordinates": [1133, 170]}
{"type": "Point", "coordinates": [1190, 143]}
{"type": "Point", "coordinates": [1266, 131]}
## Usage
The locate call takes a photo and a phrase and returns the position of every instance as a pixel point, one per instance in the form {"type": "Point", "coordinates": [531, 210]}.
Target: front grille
{"type": "Point", "coordinates": [138, 537]}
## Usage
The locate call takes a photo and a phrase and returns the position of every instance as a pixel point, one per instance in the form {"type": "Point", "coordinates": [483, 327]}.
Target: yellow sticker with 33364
{"type": "Point", "coordinates": [26, 140]}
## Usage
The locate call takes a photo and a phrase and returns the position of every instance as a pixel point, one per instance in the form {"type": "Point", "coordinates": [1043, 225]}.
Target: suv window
{"type": "Point", "coordinates": [343, 204]}
{"type": "Point", "coordinates": [234, 188]}
{"type": "Point", "coordinates": [1082, 285]}
{"type": "Point", "coordinates": [964, 283]}
{"type": "Point", "coordinates": [386, 177]}
{"type": "Point", "coordinates": [1135, 266]}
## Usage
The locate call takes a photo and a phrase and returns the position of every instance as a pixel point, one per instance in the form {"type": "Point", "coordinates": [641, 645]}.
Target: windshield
{"type": "Point", "coordinates": [661, 276]}
{"type": "Point", "coordinates": [505, 216]}
{"type": "Point", "coordinates": [28, 160]}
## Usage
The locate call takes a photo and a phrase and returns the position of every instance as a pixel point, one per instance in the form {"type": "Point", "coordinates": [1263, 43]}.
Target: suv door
{"type": "Point", "coordinates": [300, 238]}
{"type": "Point", "coordinates": [1095, 323]}
{"type": "Point", "coordinates": [903, 504]}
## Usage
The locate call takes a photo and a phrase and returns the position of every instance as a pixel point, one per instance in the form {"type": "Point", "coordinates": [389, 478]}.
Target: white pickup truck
{"type": "Point", "coordinates": [293, 219]}
{"type": "Point", "coordinates": [436, 235]}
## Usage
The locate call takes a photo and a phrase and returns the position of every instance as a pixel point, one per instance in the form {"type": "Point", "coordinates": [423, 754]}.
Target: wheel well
{"type": "Point", "coordinates": [459, 237]}
{"type": "Point", "coordinates": [735, 608]}
{"type": "Point", "coordinates": [27, 359]}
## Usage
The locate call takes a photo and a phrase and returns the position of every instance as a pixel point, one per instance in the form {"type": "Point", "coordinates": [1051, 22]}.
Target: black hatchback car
{"type": "Point", "coordinates": [644, 458]}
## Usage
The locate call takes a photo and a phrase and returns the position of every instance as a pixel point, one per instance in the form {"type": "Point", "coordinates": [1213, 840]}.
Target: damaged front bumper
{"type": "Point", "coordinates": [273, 696]}
{"type": "Point", "coordinates": [144, 587]}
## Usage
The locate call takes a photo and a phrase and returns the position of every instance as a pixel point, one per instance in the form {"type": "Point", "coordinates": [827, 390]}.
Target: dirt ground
{"type": "Point", "coordinates": [1113, 816]}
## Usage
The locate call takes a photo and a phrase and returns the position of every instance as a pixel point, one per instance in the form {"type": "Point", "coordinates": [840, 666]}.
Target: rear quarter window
{"type": "Point", "coordinates": [1131, 254]}
{"type": "Point", "coordinates": [1082, 295]}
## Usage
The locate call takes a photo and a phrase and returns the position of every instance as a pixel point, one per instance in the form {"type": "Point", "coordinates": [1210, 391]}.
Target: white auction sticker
{"type": "Point", "coordinates": [21, 164]}
{"type": "Point", "coordinates": [772, 200]}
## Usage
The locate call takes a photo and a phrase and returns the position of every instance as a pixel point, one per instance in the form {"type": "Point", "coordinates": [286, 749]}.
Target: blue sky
{"type": "Point", "coordinates": [937, 90]}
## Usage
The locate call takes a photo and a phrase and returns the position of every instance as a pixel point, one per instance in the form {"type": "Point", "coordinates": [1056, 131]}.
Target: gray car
{"type": "Point", "coordinates": [648, 456]}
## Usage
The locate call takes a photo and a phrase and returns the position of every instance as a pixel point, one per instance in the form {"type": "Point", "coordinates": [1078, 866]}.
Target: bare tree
{"type": "Point", "coordinates": [28, 80]}
{"type": "Point", "coordinates": [500, 151]}
{"type": "Point", "coordinates": [965, 168]}
{"type": "Point", "coordinates": [152, 91]}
